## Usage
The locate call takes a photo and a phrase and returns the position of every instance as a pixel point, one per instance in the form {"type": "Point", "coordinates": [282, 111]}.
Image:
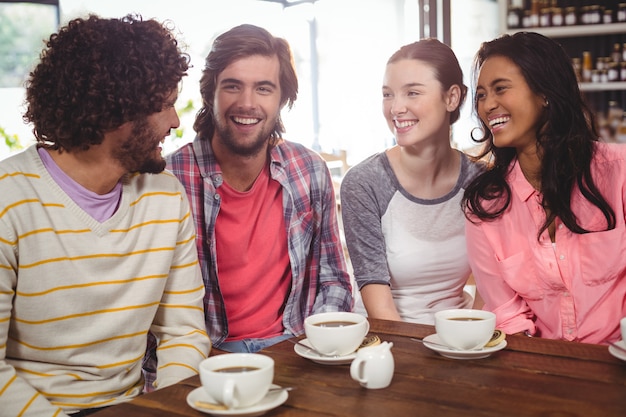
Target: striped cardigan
{"type": "Point", "coordinates": [77, 297]}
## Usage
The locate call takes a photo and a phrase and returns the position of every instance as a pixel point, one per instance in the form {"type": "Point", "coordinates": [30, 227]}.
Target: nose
{"type": "Point", "coordinates": [247, 98]}
{"type": "Point", "coordinates": [174, 119]}
{"type": "Point", "coordinates": [488, 103]}
{"type": "Point", "coordinates": [398, 106]}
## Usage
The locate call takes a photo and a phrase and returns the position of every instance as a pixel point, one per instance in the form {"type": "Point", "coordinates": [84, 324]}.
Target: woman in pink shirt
{"type": "Point", "coordinates": [545, 222]}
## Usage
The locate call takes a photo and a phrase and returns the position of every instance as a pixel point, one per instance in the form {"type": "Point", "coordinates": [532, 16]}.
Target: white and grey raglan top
{"type": "Point", "coordinates": [415, 246]}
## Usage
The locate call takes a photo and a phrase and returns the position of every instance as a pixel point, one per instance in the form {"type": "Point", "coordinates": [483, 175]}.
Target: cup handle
{"type": "Point", "coordinates": [228, 394]}
{"type": "Point", "coordinates": [357, 369]}
{"type": "Point", "coordinates": [367, 327]}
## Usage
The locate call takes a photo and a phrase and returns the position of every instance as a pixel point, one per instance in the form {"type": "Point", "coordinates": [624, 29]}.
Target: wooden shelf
{"type": "Point", "coordinates": [578, 30]}
{"type": "Point", "coordinates": [611, 86]}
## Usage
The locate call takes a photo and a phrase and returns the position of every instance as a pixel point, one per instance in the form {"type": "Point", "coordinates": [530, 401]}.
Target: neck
{"type": "Point", "coordinates": [90, 168]}
{"type": "Point", "coordinates": [426, 175]}
{"type": "Point", "coordinates": [240, 171]}
{"type": "Point", "coordinates": [429, 163]}
{"type": "Point", "coordinates": [531, 168]}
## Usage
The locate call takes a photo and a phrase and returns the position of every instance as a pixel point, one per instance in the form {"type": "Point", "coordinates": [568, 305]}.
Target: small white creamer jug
{"type": "Point", "coordinates": [373, 366]}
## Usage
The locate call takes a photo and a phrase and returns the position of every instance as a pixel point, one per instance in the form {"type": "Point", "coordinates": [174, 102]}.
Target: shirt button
{"type": "Point", "coordinates": [216, 197]}
{"type": "Point", "coordinates": [570, 331]}
{"type": "Point", "coordinates": [560, 226]}
{"type": "Point", "coordinates": [566, 294]}
{"type": "Point", "coordinates": [561, 257]}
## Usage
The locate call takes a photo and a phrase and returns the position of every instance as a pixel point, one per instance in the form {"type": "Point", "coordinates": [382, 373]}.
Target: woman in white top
{"type": "Point", "coordinates": [401, 208]}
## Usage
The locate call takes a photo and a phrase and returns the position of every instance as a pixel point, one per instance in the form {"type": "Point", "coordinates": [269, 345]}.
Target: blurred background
{"type": "Point", "coordinates": [340, 49]}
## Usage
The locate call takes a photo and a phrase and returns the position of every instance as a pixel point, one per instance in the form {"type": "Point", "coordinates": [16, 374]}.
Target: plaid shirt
{"type": "Point", "coordinates": [320, 280]}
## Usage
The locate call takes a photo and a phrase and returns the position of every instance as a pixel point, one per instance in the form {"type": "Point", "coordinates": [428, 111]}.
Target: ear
{"type": "Point", "coordinates": [453, 97]}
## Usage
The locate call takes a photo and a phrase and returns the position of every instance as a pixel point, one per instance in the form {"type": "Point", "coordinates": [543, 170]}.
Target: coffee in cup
{"type": "Point", "coordinates": [237, 380]}
{"type": "Point", "coordinates": [336, 333]}
{"type": "Point", "coordinates": [465, 329]}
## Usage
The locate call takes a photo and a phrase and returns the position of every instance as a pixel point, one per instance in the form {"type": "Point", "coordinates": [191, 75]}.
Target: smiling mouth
{"type": "Point", "coordinates": [498, 121]}
{"type": "Point", "coordinates": [245, 120]}
{"type": "Point", "coordinates": [401, 124]}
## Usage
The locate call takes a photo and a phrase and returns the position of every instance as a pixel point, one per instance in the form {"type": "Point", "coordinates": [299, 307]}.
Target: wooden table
{"type": "Point", "coordinates": [530, 377]}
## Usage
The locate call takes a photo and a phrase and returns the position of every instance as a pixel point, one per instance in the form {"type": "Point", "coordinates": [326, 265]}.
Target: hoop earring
{"type": "Point", "coordinates": [482, 134]}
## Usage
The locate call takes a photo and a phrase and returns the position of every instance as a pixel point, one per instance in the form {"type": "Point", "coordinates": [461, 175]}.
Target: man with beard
{"type": "Point", "coordinates": [264, 208]}
{"type": "Point", "coordinates": [96, 242]}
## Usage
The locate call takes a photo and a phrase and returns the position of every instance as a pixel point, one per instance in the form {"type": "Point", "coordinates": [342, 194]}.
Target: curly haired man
{"type": "Point", "coordinates": [97, 242]}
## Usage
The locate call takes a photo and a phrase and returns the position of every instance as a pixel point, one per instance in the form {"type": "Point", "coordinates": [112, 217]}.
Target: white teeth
{"type": "Point", "coordinates": [245, 121]}
{"type": "Point", "coordinates": [407, 123]}
{"type": "Point", "coordinates": [498, 120]}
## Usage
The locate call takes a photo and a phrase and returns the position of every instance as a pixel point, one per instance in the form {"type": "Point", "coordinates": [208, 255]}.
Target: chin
{"type": "Point", "coordinates": [153, 166]}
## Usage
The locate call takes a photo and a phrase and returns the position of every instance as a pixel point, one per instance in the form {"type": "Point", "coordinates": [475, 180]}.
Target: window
{"type": "Point", "coordinates": [23, 27]}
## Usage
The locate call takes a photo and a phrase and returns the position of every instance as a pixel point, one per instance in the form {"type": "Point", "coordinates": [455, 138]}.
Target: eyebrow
{"type": "Point", "coordinates": [409, 85]}
{"type": "Point", "coordinates": [256, 84]}
{"type": "Point", "coordinates": [496, 81]}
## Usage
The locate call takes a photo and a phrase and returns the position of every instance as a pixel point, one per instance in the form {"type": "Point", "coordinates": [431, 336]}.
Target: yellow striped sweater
{"type": "Point", "coordinates": [77, 297]}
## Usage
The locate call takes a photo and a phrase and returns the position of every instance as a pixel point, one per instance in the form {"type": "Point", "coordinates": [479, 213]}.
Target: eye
{"type": "Point", "coordinates": [413, 93]}
{"type": "Point", "coordinates": [386, 95]}
{"type": "Point", "coordinates": [230, 87]}
{"type": "Point", "coordinates": [480, 96]}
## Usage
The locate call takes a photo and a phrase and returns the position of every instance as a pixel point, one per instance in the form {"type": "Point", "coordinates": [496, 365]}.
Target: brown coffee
{"type": "Point", "coordinates": [237, 369]}
{"type": "Point", "coordinates": [335, 323]}
{"type": "Point", "coordinates": [465, 318]}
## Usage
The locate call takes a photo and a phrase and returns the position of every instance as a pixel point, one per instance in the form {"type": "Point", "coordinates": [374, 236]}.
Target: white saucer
{"type": "Point", "coordinates": [460, 354]}
{"type": "Point", "coordinates": [271, 400]}
{"type": "Point", "coordinates": [618, 353]}
{"type": "Point", "coordinates": [324, 360]}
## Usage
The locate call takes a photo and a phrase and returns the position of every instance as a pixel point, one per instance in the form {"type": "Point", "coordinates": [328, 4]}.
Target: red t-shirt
{"type": "Point", "coordinates": [253, 259]}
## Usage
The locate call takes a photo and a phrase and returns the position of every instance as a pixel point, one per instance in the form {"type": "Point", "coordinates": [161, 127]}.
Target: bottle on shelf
{"type": "Point", "coordinates": [535, 12]}
{"type": "Point", "coordinates": [557, 16]}
{"type": "Point", "coordinates": [621, 13]}
{"type": "Point", "coordinates": [587, 67]}
{"type": "Point", "coordinates": [571, 16]}
{"type": "Point", "coordinates": [616, 55]}
{"type": "Point", "coordinates": [615, 115]}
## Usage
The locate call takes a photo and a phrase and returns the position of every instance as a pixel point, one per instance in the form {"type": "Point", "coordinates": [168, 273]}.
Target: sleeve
{"type": "Point", "coordinates": [17, 396]}
{"type": "Point", "coordinates": [361, 214]}
{"type": "Point", "coordinates": [513, 315]}
{"type": "Point", "coordinates": [335, 291]}
{"type": "Point", "coordinates": [179, 325]}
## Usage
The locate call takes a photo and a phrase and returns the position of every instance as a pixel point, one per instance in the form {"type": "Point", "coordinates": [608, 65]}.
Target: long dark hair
{"type": "Point", "coordinates": [241, 42]}
{"type": "Point", "coordinates": [565, 140]}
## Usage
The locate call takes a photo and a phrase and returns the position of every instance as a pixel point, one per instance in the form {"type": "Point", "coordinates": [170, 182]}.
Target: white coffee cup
{"type": "Point", "coordinates": [622, 324]}
{"type": "Point", "coordinates": [237, 380]}
{"type": "Point", "coordinates": [465, 329]}
{"type": "Point", "coordinates": [373, 366]}
{"type": "Point", "coordinates": [336, 333]}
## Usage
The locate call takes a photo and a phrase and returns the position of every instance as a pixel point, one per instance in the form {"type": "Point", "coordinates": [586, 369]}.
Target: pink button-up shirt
{"type": "Point", "coordinates": [572, 289]}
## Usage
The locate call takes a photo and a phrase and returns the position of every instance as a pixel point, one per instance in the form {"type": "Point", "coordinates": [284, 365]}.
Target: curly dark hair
{"type": "Point", "coordinates": [237, 43]}
{"type": "Point", "coordinates": [565, 139]}
{"type": "Point", "coordinates": [440, 57]}
{"type": "Point", "coordinates": [96, 74]}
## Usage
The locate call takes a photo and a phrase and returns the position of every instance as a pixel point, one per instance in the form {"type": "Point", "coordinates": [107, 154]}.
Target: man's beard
{"type": "Point", "coordinates": [137, 153]}
{"type": "Point", "coordinates": [227, 137]}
